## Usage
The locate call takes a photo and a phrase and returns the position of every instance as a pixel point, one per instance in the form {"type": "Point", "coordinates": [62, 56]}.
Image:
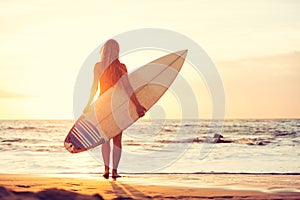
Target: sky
{"type": "Point", "coordinates": [255, 45]}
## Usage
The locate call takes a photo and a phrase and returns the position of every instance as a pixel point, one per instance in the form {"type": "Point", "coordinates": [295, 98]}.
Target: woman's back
{"type": "Point", "coordinates": [110, 75]}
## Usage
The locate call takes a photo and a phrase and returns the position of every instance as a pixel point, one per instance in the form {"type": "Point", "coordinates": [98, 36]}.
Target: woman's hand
{"type": "Point", "coordinates": [141, 110]}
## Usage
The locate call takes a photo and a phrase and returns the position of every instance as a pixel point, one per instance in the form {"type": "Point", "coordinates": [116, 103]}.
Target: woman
{"type": "Point", "coordinates": [108, 72]}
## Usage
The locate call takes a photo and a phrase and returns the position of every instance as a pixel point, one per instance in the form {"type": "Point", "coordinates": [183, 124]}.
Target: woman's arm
{"type": "Point", "coordinates": [93, 90]}
{"type": "Point", "coordinates": [139, 108]}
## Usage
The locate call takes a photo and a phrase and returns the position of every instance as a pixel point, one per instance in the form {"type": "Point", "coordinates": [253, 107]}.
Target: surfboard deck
{"type": "Point", "coordinates": [113, 111]}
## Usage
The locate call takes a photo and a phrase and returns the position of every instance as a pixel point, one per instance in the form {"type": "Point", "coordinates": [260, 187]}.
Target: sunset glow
{"type": "Point", "coordinates": [255, 45]}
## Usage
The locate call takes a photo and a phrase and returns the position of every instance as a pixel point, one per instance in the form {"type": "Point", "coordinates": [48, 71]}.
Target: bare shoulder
{"type": "Point", "coordinates": [98, 68]}
{"type": "Point", "coordinates": [98, 65]}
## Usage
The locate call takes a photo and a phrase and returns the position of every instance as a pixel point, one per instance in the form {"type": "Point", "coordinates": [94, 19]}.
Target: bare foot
{"type": "Point", "coordinates": [106, 172]}
{"type": "Point", "coordinates": [115, 174]}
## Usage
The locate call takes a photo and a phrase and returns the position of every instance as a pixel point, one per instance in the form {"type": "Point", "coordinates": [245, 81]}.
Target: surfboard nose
{"type": "Point", "coordinates": [182, 53]}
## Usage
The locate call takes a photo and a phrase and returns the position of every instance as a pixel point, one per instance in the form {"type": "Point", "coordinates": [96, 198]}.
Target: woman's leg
{"type": "Point", "coordinates": [117, 151]}
{"type": "Point", "coordinates": [106, 156]}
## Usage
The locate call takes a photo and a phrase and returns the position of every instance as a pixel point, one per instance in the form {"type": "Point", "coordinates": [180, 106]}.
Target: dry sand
{"type": "Point", "coordinates": [13, 186]}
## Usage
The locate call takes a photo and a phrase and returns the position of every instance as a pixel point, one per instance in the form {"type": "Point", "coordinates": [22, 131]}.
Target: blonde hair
{"type": "Point", "coordinates": [110, 52]}
{"type": "Point", "coordinates": [112, 69]}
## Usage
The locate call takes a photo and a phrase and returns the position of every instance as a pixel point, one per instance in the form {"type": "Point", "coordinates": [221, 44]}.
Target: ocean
{"type": "Point", "coordinates": [158, 147]}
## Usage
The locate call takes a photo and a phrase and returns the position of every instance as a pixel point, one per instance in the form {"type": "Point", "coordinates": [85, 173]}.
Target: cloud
{"type": "Point", "coordinates": [8, 94]}
{"type": "Point", "coordinates": [265, 86]}
{"type": "Point", "coordinates": [280, 69]}
{"type": "Point", "coordinates": [288, 61]}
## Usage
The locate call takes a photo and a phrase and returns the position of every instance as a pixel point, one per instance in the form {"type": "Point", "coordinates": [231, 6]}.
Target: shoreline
{"type": "Point", "coordinates": [222, 187]}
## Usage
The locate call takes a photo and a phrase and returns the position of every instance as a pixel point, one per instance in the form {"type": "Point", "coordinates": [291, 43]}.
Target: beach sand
{"type": "Point", "coordinates": [14, 186]}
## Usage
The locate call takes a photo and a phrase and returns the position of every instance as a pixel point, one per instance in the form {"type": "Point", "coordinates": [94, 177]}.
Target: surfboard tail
{"type": "Point", "coordinates": [82, 136]}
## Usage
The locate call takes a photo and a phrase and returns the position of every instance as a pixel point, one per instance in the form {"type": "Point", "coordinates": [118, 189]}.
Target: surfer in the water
{"type": "Point", "coordinates": [108, 72]}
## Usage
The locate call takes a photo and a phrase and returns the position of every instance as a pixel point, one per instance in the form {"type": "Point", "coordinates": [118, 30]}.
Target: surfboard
{"type": "Point", "coordinates": [113, 111]}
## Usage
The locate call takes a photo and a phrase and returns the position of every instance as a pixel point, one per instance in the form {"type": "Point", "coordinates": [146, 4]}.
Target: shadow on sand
{"type": "Point", "coordinates": [124, 191]}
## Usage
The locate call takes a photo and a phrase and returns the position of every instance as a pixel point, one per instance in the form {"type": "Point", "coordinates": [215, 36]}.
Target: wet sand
{"type": "Point", "coordinates": [14, 186]}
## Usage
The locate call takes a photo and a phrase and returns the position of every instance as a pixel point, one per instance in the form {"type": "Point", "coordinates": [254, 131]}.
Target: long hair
{"type": "Point", "coordinates": [110, 52]}
{"type": "Point", "coordinates": [113, 69]}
